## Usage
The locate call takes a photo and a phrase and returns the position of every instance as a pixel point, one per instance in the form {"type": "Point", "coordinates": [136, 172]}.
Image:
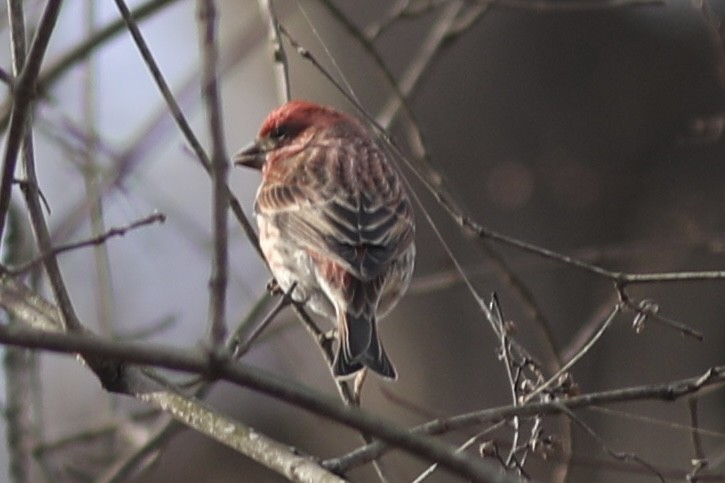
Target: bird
{"type": "Point", "coordinates": [336, 225]}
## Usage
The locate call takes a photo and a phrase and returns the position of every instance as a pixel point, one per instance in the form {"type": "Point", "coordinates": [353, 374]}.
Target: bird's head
{"type": "Point", "coordinates": [289, 127]}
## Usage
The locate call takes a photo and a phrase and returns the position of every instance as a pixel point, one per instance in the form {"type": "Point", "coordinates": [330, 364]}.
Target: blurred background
{"type": "Point", "coordinates": [591, 128]}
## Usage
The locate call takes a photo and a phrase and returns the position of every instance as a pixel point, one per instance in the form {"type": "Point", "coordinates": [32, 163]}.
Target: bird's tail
{"type": "Point", "coordinates": [360, 347]}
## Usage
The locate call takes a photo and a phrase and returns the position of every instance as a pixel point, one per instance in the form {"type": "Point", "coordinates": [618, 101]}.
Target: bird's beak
{"type": "Point", "coordinates": [250, 156]}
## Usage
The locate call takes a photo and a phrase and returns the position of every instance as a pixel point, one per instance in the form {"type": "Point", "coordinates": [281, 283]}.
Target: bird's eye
{"type": "Point", "coordinates": [279, 133]}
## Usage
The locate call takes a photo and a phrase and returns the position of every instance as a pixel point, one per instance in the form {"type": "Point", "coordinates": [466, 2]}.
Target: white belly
{"type": "Point", "coordinates": [290, 263]}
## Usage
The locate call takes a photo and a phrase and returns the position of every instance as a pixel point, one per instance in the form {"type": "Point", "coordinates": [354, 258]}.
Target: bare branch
{"type": "Point", "coordinates": [24, 92]}
{"type": "Point", "coordinates": [91, 179]}
{"type": "Point", "coordinates": [576, 357]}
{"type": "Point", "coordinates": [699, 460]}
{"type": "Point", "coordinates": [619, 455]}
{"type": "Point", "coordinates": [19, 404]}
{"type": "Point", "coordinates": [118, 376]}
{"type": "Point", "coordinates": [242, 375]}
{"type": "Point", "coordinates": [666, 392]}
{"type": "Point", "coordinates": [647, 309]}
{"type": "Point", "coordinates": [21, 112]}
{"type": "Point", "coordinates": [279, 56]}
{"type": "Point", "coordinates": [96, 240]}
{"type": "Point", "coordinates": [216, 325]}
{"type": "Point", "coordinates": [122, 469]}
{"type": "Point", "coordinates": [274, 455]}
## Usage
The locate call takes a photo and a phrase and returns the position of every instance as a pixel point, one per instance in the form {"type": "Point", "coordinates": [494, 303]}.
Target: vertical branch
{"type": "Point", "coordinates": [278, 53]}
{"type": "Point", "coordinates": [19, 363]}
{"type": "Point", "coordinates": [22, 398]}
{"type": "Point", "coordinates": [27, 75]}
{"type": "Point", "coordinates": [104, 288]}
{"type": "Point", "coordinates": [105, 309]}
{"type": "Point", "coordinates": [16, 362]}
{"type": "Point", "coordinates": [699, 459]}
{"type": "Point", "coordinates": [20, 116]}
{"type": "Point", "coordinates": [219, 171]}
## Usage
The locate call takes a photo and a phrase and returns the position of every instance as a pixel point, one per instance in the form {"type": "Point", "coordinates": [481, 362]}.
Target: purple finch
{"type": "Point", "coordinates": [335, 224]}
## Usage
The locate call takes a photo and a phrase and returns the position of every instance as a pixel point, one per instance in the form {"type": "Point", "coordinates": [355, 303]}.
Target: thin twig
{"type": "Point", "coordinates": [699, 459]}
{"type": "Point", "coordinates": [122, 469]}
{"type": "Point", "coordinates": [666, 392]}
{"type": "Point", "coordinates": [576, 357]}
{"type": "Point", "coordinates": [467, 444]}
{"type": "Point", "coordinates": [646, 309]}
{"type": "Point", "coordinates": [670, 425]}
{"type": "Point", "coordinates": [96, 240]}
{"type": "Point", "coordinates": [279, 56]}
{"type": "Point", "coordinates": [92, 433]}
{"type": "Point", "coordinates": [505, 355]}
{"type": "Point", "coordinates": [241, 347]}
{"type": "Point", "coordinates": [90, 172]}
{"type": "Point", "coordinates": [162, 85]}
{"type": "Point", "coordinates": [619, 455]}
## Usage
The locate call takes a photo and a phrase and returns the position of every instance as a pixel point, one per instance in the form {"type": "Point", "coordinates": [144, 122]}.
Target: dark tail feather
{"type": "Point", "coordinates": [376, 359]}
{"type": "Point", "coordinates": [360, 346]}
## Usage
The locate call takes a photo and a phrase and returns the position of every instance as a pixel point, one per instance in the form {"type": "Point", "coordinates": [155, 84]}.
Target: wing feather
{"type": "Point", "coordinates": [350, 207]}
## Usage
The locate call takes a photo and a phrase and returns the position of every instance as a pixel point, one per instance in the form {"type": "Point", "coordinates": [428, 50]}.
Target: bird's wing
{"type": "Point", "coordinates": [345, 202]}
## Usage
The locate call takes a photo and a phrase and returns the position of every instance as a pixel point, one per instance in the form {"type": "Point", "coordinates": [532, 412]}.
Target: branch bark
{"type": "Point", "coordinates": [124, 375]}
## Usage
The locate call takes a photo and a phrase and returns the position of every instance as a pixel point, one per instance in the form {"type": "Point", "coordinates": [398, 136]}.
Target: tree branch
{"type": "Point", "coordinates": [216, 325]}
{"type": "Point", "coordinates": [666, 392]}
{"type": "Point", "coordinates": [96, 240]}
{"type": "Point", "coordinates": [24, 93]}
{"type": "Point", "coordinates": [124, 378]}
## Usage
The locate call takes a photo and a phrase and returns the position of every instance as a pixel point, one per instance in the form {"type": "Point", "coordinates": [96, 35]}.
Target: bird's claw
{"type": "Point", "coordinates": [328, 338]}
{"type": "Point", "coordinates": [273, 287]}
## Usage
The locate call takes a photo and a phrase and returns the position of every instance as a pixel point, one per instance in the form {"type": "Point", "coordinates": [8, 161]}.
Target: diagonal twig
{"type": "Point", "coordinates": [96, 240]}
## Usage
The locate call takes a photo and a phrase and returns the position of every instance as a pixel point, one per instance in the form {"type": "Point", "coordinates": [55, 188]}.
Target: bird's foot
{"type": "Point", "coordinates": [273, 287]}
